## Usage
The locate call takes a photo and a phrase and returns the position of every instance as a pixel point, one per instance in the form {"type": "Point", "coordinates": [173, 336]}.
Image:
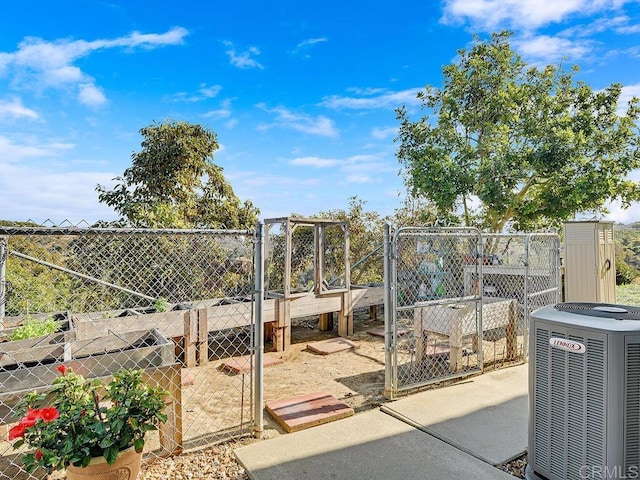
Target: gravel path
{"type": "Point", "coordinates": [214, 463]}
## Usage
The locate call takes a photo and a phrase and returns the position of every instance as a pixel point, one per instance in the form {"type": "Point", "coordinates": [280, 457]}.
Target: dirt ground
{"type": "Point", "coordinates": [355, 376]}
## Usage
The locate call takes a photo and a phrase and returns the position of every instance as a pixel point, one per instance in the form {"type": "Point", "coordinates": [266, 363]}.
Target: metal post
{"type": "Point", "coordinates": [480, 256]}
{"type": "Point", "coordinates": [259, 331]}
{"type": "Point", "coordinates": [3, 278]}
{"type": "Point", "coordinates": [525, 340]}
{"type": "Point", "coordinates": [389, 313]}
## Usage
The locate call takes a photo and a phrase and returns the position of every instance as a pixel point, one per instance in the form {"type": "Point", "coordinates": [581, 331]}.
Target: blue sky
{"type": "Point", "coordinates": [302, 95]}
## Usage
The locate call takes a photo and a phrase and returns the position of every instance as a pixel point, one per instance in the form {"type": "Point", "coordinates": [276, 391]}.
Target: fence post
{"type": "Point", "coordinates": [389, 293]}
{"type": "Point", "coordinates": [258, 337]}
{"type": "Point", "coordinates": [3, 277]}
{"type": "Point", "coordinates": [525, 321]}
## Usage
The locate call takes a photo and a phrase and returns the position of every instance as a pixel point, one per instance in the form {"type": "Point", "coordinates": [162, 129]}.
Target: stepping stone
{"type": "Point", "coordinates": [333, 345]}
{"type": "Point", "coordinates": [306, 411]}
{"type": "Point", "coordinates": [379, 331]}
{"type": "Point", "coordinates": [243, 364]}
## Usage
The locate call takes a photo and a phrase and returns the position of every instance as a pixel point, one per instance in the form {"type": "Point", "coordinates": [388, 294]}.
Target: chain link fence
{"type": "Point", "coordinates": [460, 300]}
{"type": "Point", "coordinates": [436, 321]}
{"type": "Point", "coordinates": [178, 304]}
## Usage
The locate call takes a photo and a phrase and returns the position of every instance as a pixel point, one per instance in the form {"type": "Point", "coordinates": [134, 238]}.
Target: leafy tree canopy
{"type": "Point", "coordinates": [173, 182]}
{"type": "Point", "coordinates": [533, 145]}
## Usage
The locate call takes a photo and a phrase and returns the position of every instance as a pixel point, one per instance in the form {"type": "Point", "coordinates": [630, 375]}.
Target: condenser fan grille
{"type": "Point", "coordinates": [600, 310]}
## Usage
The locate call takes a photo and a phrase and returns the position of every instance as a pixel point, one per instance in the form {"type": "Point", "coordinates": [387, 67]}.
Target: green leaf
{"type": "Point", "coordinates": [138, 444]}
{"type": "Point", "coordinates": [110, 454]}
{"type": "Point", "coordinates": [106, 443]}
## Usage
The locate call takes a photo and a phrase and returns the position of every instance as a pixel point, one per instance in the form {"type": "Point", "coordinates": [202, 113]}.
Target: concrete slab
{"type": "Point", "coordinates": [367, 446]}
{"type": "Point", "coordinates": [243, 364]}
{"type": "Point", "coordinates": [485, 416]}
{"type": "Point", "coordinates": [306, 411]}
{"type": "Point", "coordinates": [332, 345]}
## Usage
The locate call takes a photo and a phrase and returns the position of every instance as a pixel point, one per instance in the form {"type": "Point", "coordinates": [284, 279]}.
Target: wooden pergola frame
{"type": "Point", "coordinates": [319, 225]}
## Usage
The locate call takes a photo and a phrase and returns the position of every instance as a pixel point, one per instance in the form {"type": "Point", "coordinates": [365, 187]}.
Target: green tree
{"type": "Point", "coordinates": [418, 212]}
{"type": "Point", "coordinates": [173, 182]}
{"type": "Point", "coordinates": [33, 287]}
{"type": "Point", "coordinates": [533, 145]}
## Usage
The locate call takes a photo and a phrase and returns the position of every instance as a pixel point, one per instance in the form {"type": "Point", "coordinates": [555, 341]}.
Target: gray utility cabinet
{"type": "Point", "coordinates": [589, 262]}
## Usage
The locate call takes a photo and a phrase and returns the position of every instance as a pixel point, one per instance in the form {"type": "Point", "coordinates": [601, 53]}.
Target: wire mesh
{"type": "Point", "coordinates": [462, 300]}
{"type": "Point", "coordinates": [437, 319]}
{"type": "Point", "coordinates": [176, 303]}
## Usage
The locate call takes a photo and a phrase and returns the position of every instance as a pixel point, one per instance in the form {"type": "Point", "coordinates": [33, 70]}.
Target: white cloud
{"type": "Point", "coordinates": [57, 196]}
{"type": "Point", "coordinates": [628, 92]}
{"type": "Point", "coordinates": [383, 133]}
{"type": "Point", "coordinates": [622, 215]}
{"type": "Point", "coordinates": [319, 125]}
{"type": "Point", "coordinates": [15, 108]}
{"type": "Point", "coordinates": [244, 59]}
{"type": "Point", "coordinates": [223, 112]}
{"type": "Point", "coordinates": [11, 152]}
{"type": "Point", "coordinates": [311, 41]}
{"type": "Point", "coordinates": [619, 23]}
{"type": "Point", "coordinates": [359, 169]}
{"type": "Point", "coordinates": [378, 100]}
{"type": "Point", "coordinates": [363, 178]}
{"type": "Point", "coordinates": [491, 15]}
{"type": "Point", "coordinates": [547, 49]}
{"type": "Point", "coordinates": [56, 190]}
{"type": "Point", "coordinates": [209, 91]}
{"type": "Point", "coordinates": [218, 114]}
{"type": "Point", "coordinates": [314, 162]}
{"type": "Point", "coordinates": [91, 95]}
{"type": "Point", "coordinates": [305, 45]}
{"type": "Point", "coordinates": [628, 29]}
{"type": "Point", "coordinates": [41, 64]}
{"type": "Point", "coordinates": [204, 92]}
{"type": "Point", "coordinates": [231, 123]}
{"type": "Point", "coordinates": [175, 36]}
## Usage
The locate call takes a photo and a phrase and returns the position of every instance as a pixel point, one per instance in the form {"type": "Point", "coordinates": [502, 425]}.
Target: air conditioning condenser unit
{"type": "Point", "coordinates": [584, 392]}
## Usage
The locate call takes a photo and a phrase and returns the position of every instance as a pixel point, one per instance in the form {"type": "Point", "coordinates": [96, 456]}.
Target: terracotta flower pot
{"type": "Point", "coordinates": [127, 467]}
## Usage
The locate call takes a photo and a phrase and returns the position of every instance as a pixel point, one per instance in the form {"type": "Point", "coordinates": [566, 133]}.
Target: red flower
{"type": "Point", "coordinates": [49, 413]}
{"type": "Point", "coordinates": [17, 431]}
{"type": "Point", "coordinates": [38, 454]}
{"type": "Point", "coordinates": [32, 414]}
{"type": "Point", "coordinates": [62, 369]}
{"type": "Point", "coordinates": [28, 422]}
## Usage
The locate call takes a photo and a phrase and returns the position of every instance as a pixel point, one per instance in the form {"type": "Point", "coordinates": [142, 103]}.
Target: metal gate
{"type": "Point", "coordinates": [433, 307]}
{"type": "Point", "coordinates": [458, 301]}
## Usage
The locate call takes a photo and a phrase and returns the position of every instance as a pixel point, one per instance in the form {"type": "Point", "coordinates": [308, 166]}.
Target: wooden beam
{"type": "Point", "coordinates": [190, 336]}
{"type": "Point", "coordinates": [202, 356]}
{"type": "Point", "coordinates": [169, 378]}
{"type": "Point", "coordinates": [325, 323]}
{"type": "Point", "coordinates": [282, 332]}
{"type": "Point", "coordinates": [345, 316]}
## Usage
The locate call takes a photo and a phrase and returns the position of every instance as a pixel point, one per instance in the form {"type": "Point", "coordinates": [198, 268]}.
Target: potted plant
{"type": "Point", "coordinates": [85, 433]}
